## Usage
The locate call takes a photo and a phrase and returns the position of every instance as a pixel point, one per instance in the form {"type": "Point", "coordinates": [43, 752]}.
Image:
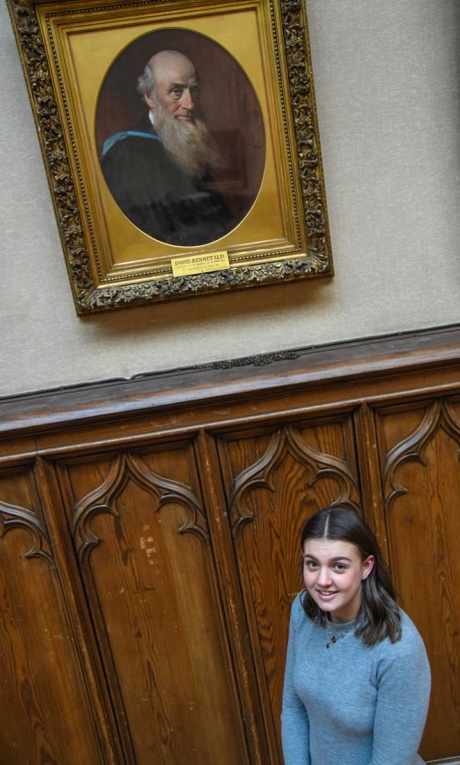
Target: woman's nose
{"type": "Point", "coordinates": [324, 576]}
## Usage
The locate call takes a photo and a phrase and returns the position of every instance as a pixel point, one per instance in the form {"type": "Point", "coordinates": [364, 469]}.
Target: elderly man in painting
{"type": "Point", "coordinates": [159, 173]}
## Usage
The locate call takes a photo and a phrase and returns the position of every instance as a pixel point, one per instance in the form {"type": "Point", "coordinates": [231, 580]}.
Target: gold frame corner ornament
{"type": "Point", "coordinates": [128, 268]}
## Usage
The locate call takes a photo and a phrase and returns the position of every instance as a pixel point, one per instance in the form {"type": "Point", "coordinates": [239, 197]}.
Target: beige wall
{"type": "Point", "coordinates": [387, 86]}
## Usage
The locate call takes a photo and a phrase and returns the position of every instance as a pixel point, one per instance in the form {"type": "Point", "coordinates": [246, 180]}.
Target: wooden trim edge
{"type": "Point", "coordinates": [227, 380]}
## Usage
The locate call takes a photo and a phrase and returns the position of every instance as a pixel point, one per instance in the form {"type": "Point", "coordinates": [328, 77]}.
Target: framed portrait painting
{"type": "Point", "coordinates": [181, 144]}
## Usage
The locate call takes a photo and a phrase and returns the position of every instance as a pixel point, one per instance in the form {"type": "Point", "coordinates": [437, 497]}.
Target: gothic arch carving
{"type": "Point", "coordinates": [125, 468]}
{"type": "Point", "coordinates": [439, 415]}
{"type": "Point", "coordinates": [13, 516]}
{"type": "Point", "coordinates": [259, 475]}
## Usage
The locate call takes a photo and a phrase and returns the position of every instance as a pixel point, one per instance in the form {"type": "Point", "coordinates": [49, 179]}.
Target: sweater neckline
{"type": "Point", "coordinates": [337, 632]}
{"type": "Point", "coordinates": [340, 627]}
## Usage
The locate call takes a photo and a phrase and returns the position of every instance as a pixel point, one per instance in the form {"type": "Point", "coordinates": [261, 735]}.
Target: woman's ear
{"type": "Point", "coordinates": [368, 565]}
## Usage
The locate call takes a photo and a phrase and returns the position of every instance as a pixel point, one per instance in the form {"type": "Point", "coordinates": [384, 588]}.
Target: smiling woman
{"type": "Point", "coordinates": [357, 679]}
{"type": "Point", "coordinates": [333, 576]}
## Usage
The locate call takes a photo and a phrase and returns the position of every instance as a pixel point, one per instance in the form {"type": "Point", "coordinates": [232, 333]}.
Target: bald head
{"type": "Point", "coordinates": [169, 82]}
{"type": "Point", "coordinates": [166, 61]}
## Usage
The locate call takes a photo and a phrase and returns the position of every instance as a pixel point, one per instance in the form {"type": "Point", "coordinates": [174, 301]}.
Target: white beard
{"type": "Point", "coordinates": [190, 143]}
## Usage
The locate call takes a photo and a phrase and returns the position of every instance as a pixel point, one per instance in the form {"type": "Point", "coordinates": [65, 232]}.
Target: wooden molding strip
{"type": "Point", "coordinates": [232, 379]}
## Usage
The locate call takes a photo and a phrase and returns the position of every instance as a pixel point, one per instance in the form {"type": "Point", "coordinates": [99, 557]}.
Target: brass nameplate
{"type": "Point", "coordinates": [200, 264]}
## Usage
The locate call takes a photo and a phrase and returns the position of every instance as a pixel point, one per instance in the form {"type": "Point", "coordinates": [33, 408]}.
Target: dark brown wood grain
{"type": "Point", "coordinates": [149, 545]}
{"type": "Point", "coordinates": [45, 710]}
{"type": "Point", "coordinates": [421, 479]}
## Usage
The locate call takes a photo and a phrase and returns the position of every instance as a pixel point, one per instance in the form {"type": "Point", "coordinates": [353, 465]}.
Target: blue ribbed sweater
{"type": "Point", "coordinates": [351, 704]}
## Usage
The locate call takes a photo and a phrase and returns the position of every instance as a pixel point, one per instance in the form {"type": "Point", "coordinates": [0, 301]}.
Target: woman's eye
{"type": "Point", "coordinates": [310, 564]}
{"type": "Point", "coordinates": [340, 567]}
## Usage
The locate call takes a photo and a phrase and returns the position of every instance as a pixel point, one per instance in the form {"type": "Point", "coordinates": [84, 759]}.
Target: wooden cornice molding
{"type": "Point", "coordinates": [269, 374]}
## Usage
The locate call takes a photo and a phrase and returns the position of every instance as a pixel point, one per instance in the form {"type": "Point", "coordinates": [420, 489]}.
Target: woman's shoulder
{"type": "Point", "coordinates": [298, 615]}
{"type": "Point", "coordinates": [410, 633]}
{"type": "Point", "coordinates": [297, 606]}
{"type": "Point", "coordinates": [410, 643]}
{"type": "Point", "coordinates": [404, 661]}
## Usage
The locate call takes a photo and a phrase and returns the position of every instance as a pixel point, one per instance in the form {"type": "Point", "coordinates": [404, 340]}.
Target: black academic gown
{"type": "Point", "coordinates": [158, 195]}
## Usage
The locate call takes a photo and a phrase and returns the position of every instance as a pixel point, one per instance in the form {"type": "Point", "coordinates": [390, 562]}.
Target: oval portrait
{"type": "Point", "coordinates": [180, 137]}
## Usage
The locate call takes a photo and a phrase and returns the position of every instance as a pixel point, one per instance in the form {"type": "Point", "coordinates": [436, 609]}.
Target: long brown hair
{"type": "Point", "coordinates": [379, 616]}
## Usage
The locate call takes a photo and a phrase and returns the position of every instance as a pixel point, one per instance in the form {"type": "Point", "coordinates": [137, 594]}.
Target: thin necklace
{"type": "Point", "coordinates": [335, 638]}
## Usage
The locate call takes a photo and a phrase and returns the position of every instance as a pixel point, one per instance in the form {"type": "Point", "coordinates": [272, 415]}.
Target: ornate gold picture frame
{"type": "Point", "coordinates": [262, 207]}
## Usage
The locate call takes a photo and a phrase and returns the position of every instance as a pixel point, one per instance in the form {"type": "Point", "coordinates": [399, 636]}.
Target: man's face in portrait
{"type": "Point", "coordinates": [174, 107]}
{"type": "Point", "coordinates": [176, 87]}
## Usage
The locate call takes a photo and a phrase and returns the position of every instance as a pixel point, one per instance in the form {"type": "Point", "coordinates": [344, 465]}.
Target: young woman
{"type": "Point", "coordinates": [357, 678]}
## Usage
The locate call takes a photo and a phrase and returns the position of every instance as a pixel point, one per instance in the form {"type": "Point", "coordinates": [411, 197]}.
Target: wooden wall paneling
{"type": "Point", "coordinates": [163, 516]}
{"type": "Point", "coordinates": [142, 541]}
{"type": "Point", "coordinates": [419, 446]}
{"type": "Point", "coordinates": [46, 715]}
{"type": "Point", "coordinates": [369, 472]}
{"type": "Point", "coordinates": [347, 371]}
{"type": "Point", "coordinates": [232, 600]}
{"type": "Point", "coordinates": [274, 480]}
{"type": "Point", "coordinates": [73, 592]}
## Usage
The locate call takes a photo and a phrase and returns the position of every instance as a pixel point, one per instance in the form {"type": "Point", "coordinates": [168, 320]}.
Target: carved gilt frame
{"type": "Point", "coordinates": [68, 49]}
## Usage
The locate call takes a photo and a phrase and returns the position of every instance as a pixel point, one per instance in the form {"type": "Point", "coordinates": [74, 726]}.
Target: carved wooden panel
{"type": "Point", "coordinates": [149, 556]}
{"type": "Point", "coordinates": [44, 712]}
{"type": "Point", "coordinates": [142, 541]}
{"type": "Point", "coordinates": [274, 480]}
{"type": "Point", "coordinates": [419, 450]}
